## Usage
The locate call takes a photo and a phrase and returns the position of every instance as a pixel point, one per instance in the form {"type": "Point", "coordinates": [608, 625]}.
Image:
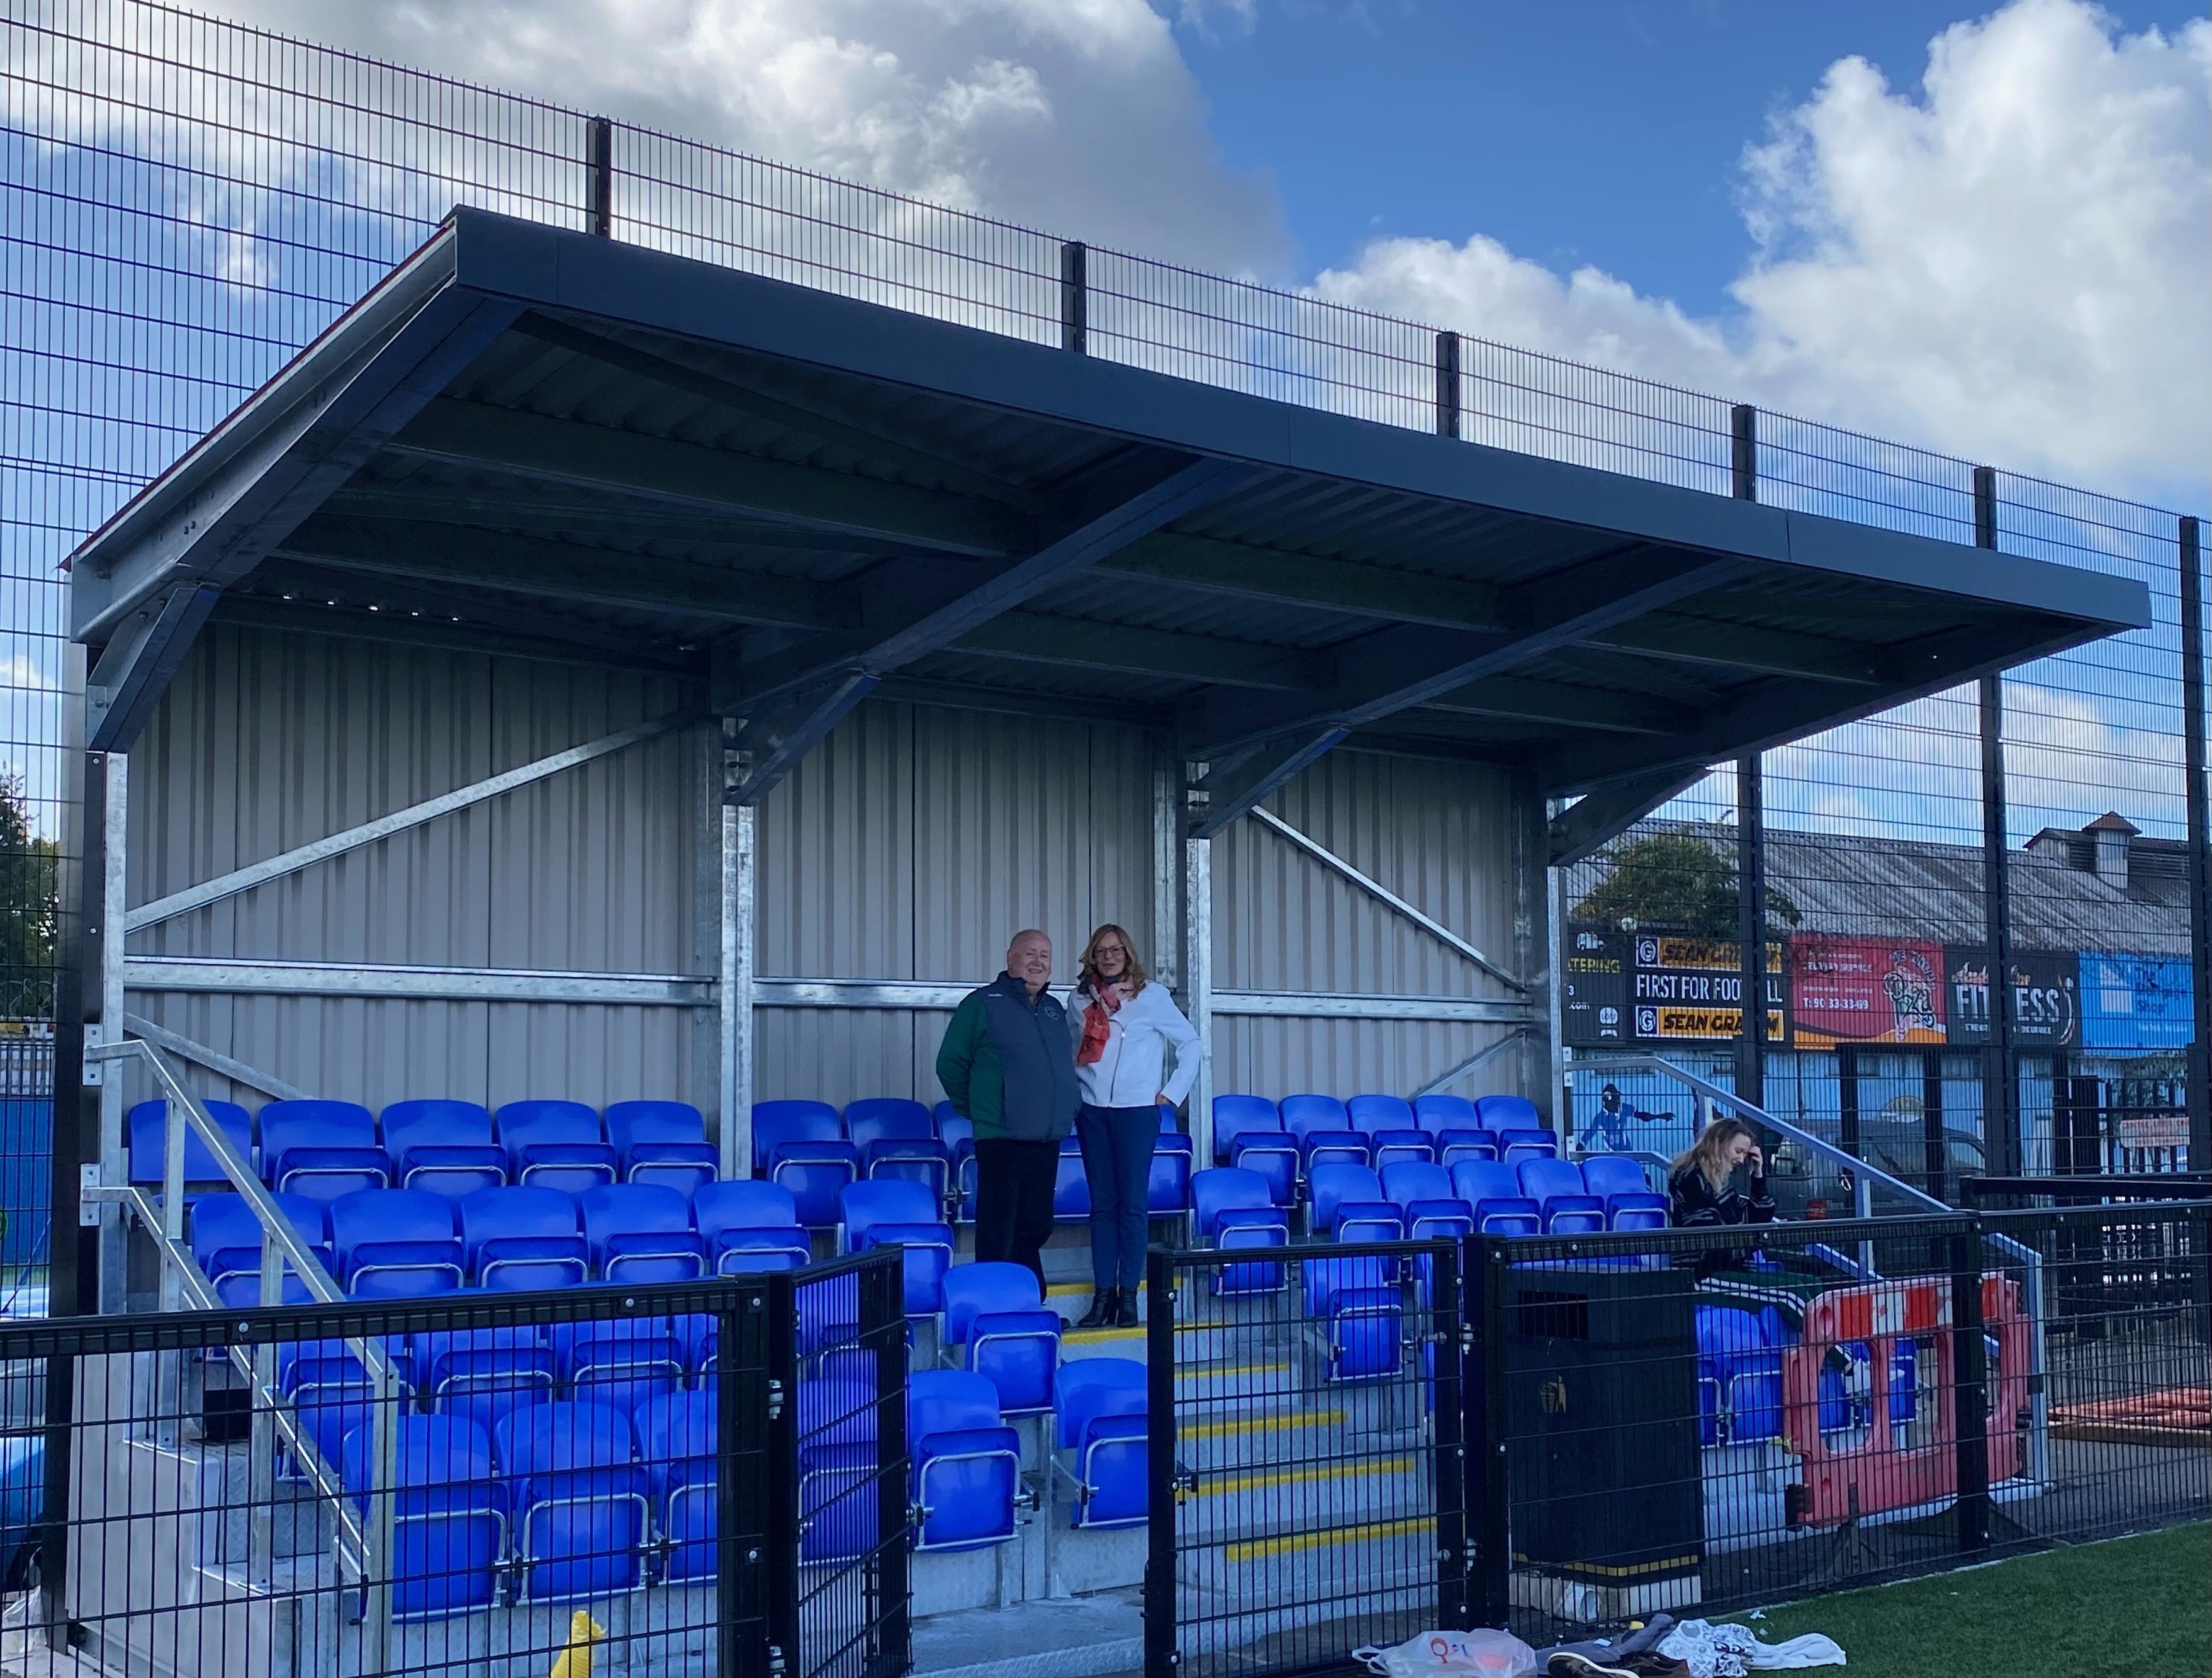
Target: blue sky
{"type": "Point", "coordinates": [1602, 131]}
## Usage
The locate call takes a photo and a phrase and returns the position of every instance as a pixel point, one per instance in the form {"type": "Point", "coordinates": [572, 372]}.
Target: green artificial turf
{"type": "Point", "coordinates": [2139, 1606]}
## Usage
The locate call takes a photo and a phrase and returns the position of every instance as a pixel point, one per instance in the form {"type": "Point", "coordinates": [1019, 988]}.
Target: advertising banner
{"type": "Point", "coordinates": [2135, 1003]}
{"type": "Point", "coordinates": [1844, 989]}
{"type": "Point", "coordinates": [1691, 990]}
{"type": "Point", "coordinates": [2046, 1007]}
{"type": "Point", "coordinates": [1594, 989]}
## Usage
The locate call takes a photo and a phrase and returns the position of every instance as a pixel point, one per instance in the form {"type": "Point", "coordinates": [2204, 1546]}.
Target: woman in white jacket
{"type": "Point", "coordinates": [1123, 1027]}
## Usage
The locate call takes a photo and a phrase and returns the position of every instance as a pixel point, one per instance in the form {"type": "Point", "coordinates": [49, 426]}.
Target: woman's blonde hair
{"type": "Point", "coordinates": [1709, 1153]}
{"type": "Point", "coordinates": [1132, 976]}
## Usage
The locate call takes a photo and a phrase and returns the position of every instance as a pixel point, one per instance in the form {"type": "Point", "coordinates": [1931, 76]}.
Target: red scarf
{"type": "Point", "coordinates": [1097, 1021]}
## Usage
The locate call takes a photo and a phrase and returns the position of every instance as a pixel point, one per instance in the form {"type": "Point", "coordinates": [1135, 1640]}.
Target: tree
{"type": "Point", "coordinates": [1674, 881]}
{"type": "Point", "coordinates": [30, 877]}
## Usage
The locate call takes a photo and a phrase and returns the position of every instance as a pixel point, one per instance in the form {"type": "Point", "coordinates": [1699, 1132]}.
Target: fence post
{"type": "Point", "coordinates": [2198, 796]}
{"type": "Point", "coordinates": [1490, 1482]}
{"type": "Point", "coordinates": [882, 1319]}
{"type": "Point", "coordinates": [1075, 297]}
{"type": "Point", "coordinates": [2001, 1079]}
{"type": "Point", "coordinates": [1448, 384]}
{"type": "Point", "coordinates": [1451, 1343]}
{"type": "Point", "coordinates": [599, 177]}
{"type": "Point", "coordinates": [1970, 1405]}
{"type": "Point", "coordinates": [780, 1435]}
{"type": "Point", "coordinates": [1161, 1655]}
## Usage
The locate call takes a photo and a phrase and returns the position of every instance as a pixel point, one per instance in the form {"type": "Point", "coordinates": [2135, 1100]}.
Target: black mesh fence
{"type": "Point", "coordinates": [480, 1483]}
{"type": "Point", "coordinates": [1685, 1421]}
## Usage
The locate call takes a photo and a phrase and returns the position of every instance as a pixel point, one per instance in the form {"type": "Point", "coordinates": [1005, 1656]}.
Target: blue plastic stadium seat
{"type": "Point", "coordinates": [1738, 1358]}
{"type": "Point", "coordinates": [582, 1504]}
{"type": "Point", "coordinates": [555, 1144]}
{"type": "Point", "coordinates": [621, 1362]}
{"type": "Point", "coordinates": [995, 1318]}
{"type": "Point", "coordinates": [521, 1238]}
{"type": "Point", "coordinates": [1630, 1200]}
{"type": "Point", "coordinates": [746, 1225]}
{"type": "Point", "coordinates": [1364, 1313]}
{"type": "Point", "coordinates": [958, 1136]}
{"type": "Point", "coordinates": [1324, 1133]}
{"type": "Point", "coordinates": [329, 1392]}
{"type": "Point", "coordinates": [1516, 1145]}
{"type": "Point", "coordinates": [483, 1373]}
{"type": "Point", "coordinates": [1456, 1144]}
{"type": "Point", "coordinates": [898, 1138]}
{"type": "Point", "coordinates": [449, 1513]}
{"type": "Point", "coordinates": [967, 1463]}
{"type": "Point", "coordinates": [148, 1125]}
{"type": "Point", "coordinates": [1248, 1134]}
{"type": "Point", "coordinates": [839, 1502]}
{"type": "Point", "coordinates": [1167, 1187]}
{"type": "Point", "coordinates": [395, 1243]}
{"type": "Point", "coordinates": [226, 1241]}
{"type": "Point", "coordinates": [445, 1146]}
{"type": "Point", "coordinates": [1423, 1192]}
{"type": "Point", "coordinates": [678, 1437]}
{"type": "Point", "coordinates": [662, 1142]}
{"type": "Point", "coordinates": [802, 1145]}
{"type": "Point", "coordinates": [1236, 1115]}
{"type": "Point", "coordinates": [1394, 1134]}
{"type": "Point", "coordinates": [1349, 1204]}
{"type": "Point", "coordinates": [1557, 1185]}
{"type": "Point", "coordinates": [1504, 1113]}
{"type": "Point", "coordinates": [321, 1149]}
{"type": "Point", "coordinates": [1071, 1188]}
{"type": "Point", "coordinates": [1437, 1114]}
{"type": "Point", "coordinates": [1099, 1418]}
{"type": "Point", "coordinates": [898, 1211]}
{"type": "Point", "coordinates": [640, 1233]}
{"type": "Point", "coordinates": [1492, 1189]}
{"type": "Point", "coordinates": [1235, 1208]}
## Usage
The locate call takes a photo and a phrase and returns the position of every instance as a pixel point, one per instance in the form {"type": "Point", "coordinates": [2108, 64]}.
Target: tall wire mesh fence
{"type": "Point", "coordinates": [190, 201]}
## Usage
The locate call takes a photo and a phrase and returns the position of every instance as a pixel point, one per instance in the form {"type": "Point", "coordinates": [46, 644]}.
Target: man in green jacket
{"type": "Point", "coordinates": [1008, 1066]}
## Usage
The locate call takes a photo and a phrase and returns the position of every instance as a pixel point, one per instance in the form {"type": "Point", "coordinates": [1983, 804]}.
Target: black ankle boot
{"type": "Point", "coordinates": [1105, 1310]}
{"type": "Point", "coordinates": [1125, 1310]}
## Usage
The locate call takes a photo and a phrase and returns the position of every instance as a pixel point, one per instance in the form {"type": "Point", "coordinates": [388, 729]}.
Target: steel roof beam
{"type": "Point", "coordinates": [133, 670]}
{"type": "Point", "coordinates": [600, 457]}
{"type": "Point", "coordinates": [438, 635]}
{"type": "Point", "coordinates": [1602, 815]}
{"type": "Point", "coordinates": [799, 696]}
{"type": "Point", "coordinates": [570, 571]}
{"type": "Point", "coordinates": [1557, 702]}
{"type": "Point", "coordinates": [1397, 669]}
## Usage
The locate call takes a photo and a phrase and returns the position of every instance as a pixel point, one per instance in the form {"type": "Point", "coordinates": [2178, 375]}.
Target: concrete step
{"type": "Point", "coordinates": [1261, 1502]}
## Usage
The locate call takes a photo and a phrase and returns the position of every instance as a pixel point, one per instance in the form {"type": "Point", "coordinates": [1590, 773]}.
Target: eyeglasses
{"type": "Point", "coordinates": [1110, 950]}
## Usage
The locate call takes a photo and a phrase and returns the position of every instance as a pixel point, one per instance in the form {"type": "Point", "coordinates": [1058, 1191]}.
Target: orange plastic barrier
{"type": "Point", "coordinates": [1881, 1471]}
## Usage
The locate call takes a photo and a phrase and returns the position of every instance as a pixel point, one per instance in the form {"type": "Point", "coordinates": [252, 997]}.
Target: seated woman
{"type": "Point", "coordinates": [1701, 1185]}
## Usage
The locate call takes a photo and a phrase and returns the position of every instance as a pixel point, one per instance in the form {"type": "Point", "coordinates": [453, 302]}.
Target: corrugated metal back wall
{"type": "Point", "coordinates": [907, 847]}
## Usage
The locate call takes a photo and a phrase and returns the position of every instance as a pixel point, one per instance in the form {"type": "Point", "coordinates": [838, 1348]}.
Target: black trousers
{"type": "Point", "coordinates": [1013, 1201]}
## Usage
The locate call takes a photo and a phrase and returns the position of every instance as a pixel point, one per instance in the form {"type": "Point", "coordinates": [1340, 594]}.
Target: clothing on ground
{"type": "Point", "coordinates": [1014, 1180]}
{"type": "Point", "coordinates": [1730, 1651]}
{"type": "Point", "coordinates": [1117, 1163]}
{"type": "Point", "coordinates": [1007, 1063]}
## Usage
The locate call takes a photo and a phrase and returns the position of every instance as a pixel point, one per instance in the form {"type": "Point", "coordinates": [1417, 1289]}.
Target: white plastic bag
{"type": "Point", "coordinates": [1477, 1654]}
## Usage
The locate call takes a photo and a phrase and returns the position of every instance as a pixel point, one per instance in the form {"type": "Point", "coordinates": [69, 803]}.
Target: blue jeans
{"type": "Point", "coordinates": [1117, 1163]}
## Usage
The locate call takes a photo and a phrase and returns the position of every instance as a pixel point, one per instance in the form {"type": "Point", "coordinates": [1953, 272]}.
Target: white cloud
{"type": "Point", "coordinates": [2009, 264]}
{"type": "Point", "coordinates": [1076, 117]}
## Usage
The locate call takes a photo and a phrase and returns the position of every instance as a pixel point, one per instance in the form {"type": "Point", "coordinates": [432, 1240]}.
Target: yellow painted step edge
{"type": "Point", "coordinates": [1212, 1486]}
{"type": "Point", "coordinates": [1229, 1427]}
{"type": "Point", "coordinates": [1258, 1549]}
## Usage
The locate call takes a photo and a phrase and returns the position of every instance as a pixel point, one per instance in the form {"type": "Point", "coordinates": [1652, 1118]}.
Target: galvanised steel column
{"type": "Point", "coordinates": [114, 869]}
{"type": "Point", "coordinates": [2200, 844]}
{"type": "Point", "coordinates": [2001, 1139]}
{"type": "Point", "coordinates": [1750, 825]}
{"type": "Point", "coordinates": [1198, 967]}
{"type": "Point", "coordinates": [1167, 872]}
{"type": "Point", "coordinates": [734, 994]}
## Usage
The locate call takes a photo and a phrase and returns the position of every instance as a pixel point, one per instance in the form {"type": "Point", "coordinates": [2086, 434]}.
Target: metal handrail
{"type": "Point", "coordinates": [182, 1108]}
{"type": "Point", "coordinates": [1863, 1176]}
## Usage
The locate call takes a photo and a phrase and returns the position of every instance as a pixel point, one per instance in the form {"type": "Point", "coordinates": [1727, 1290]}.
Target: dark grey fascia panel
{"type": "Point", "coordinates": [677, 294]}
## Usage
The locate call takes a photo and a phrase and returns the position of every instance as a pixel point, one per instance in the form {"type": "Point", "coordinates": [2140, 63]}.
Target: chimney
{"type": "Point", "coordinates": [2112, 833]}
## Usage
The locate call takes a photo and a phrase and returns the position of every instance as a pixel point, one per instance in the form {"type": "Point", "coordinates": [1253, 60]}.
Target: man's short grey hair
{"type": "Point", "coordinates": [1029, 932]}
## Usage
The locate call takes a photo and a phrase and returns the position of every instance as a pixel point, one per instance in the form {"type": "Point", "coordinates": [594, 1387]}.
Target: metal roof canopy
{"type": "Point", "coordinates": [544, 443]}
